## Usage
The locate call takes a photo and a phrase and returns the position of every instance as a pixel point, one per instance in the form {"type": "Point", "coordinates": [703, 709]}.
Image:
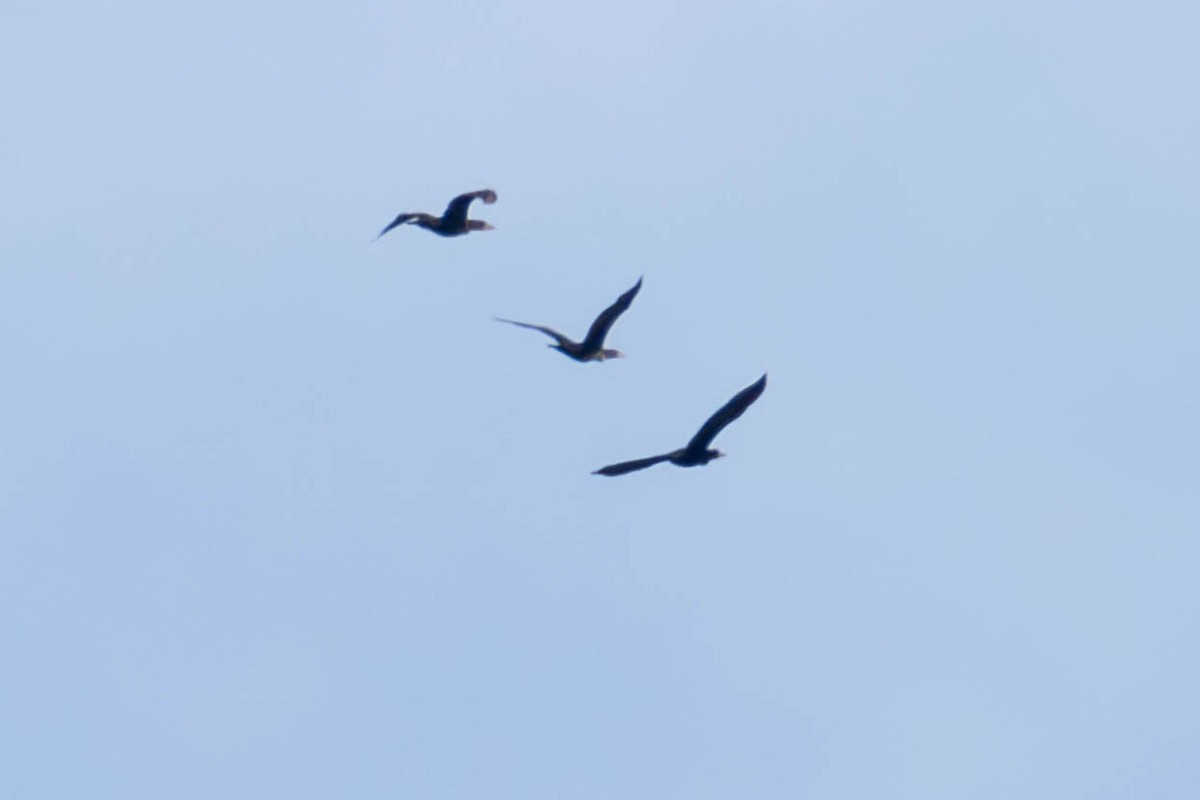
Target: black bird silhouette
{"type": "Point", "coordinates": [592, 346]}
{"type": "Point", "coordinates": [697, 451]}
{"type": "Point", "coordinates": [453, 222]}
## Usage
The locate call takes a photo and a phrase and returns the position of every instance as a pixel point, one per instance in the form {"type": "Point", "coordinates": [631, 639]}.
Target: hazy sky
{"type": "Point", "coordinates": [285, 514]}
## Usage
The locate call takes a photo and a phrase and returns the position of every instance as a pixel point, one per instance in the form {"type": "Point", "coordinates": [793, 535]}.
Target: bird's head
{"type": "Point", "coordinates": [606, 354]}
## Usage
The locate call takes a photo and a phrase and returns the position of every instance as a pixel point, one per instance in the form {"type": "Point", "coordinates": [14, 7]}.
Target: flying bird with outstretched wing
{"type": "Point", "coordinates": [453, 222]}
{"type": "Point", "coordinates": [697, 452]}
{"type": "Point", "coordinates": [592, 347]}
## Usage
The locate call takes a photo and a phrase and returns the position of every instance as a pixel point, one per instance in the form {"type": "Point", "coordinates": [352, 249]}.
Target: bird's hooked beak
{"type": "Point", "coordinates": [487, 226]}
{"type": "Point", "coordinates": [719, 454]}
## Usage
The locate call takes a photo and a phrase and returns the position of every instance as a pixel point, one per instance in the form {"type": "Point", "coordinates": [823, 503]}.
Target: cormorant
{"type": "Point", "coordinates": [592, 346]}
{"type": "Point", "coordinates": [697, 452]}
{"type": "Point", "coordinates": [453, 222]}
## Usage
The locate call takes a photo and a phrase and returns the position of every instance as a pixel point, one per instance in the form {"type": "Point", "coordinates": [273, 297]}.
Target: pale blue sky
{"type": "Point", "coordinates": [284, 514]}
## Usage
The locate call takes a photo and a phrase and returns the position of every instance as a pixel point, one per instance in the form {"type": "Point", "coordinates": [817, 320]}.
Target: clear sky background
{"type": "Point", "coordinates": [285, 514]}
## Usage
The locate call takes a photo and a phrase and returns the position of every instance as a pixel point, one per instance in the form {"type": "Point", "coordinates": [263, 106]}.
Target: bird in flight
{"type": "Point", "coordinates": [453, 222]}
{"type": "Point", "coordinates": [697, 452]}
{"type": "Point", "coordinates": [592, 346]}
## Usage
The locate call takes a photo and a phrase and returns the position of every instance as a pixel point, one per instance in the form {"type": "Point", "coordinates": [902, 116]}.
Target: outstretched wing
{"type": "Point", "coordinates": [726, 414]}
{"type": "Point", "coordinates": [456, 212]}
{"type": "Point", "coordinates": [595, 335]}
{"type": "Point", "coordinates": [400, 220]}
{"type": "Point", "coordinates": [631, 466]}
{"type": "Point", "coordinates": [562, 340]}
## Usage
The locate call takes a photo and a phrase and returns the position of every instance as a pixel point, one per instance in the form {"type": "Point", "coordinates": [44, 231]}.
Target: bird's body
{"type": "Point", "coordinates": [453, 222]}
{"type": "Point", "coordinates": [697, 452]}
{"type": "Point", "coordinates": [592, 347]}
